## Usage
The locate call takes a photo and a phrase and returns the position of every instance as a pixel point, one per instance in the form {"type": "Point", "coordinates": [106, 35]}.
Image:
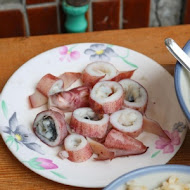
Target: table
{"type": "Point", "coordinates": [16, 51]}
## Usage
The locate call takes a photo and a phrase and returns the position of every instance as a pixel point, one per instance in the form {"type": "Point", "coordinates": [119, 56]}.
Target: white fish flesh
{"type": "Point", "coordinates": [128, 121]}
{"type": "Point", "coordinates": [77, 147]}
{"type": "Point", "coordinates": [106, 97]}
{"type": "Point", "coordinates": [86, 122]}
{"type": "Point", "coordinates": [135, 95]}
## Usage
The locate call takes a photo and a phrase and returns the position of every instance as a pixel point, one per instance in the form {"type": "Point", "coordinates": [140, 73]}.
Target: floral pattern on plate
{"type": "Point", "coordinates": [100, 52]}
{"type": "Point", "coordinates": [18, 134]}
{"type": "Point", "coordinates": [68, 54]}
{"type": "Point", "coordinates": [104, 52]}
{"type": "Point", "coordinates": [169, 146]}
{"type": "Point", "coordinates": [44, 164]}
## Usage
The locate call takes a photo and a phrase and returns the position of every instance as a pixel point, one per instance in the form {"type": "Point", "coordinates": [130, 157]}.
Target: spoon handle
{"type": "Point", "coordinates": [178, 53]}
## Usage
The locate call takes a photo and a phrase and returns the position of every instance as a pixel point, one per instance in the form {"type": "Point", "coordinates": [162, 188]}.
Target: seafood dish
{"type": "Point", "coordinates": [108, 113]}
{"type": "Point", "coordinates": [171, 183]}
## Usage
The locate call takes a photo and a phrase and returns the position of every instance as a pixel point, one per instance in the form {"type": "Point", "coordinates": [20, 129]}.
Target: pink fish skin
{"type": "Point", "coordinates": [123, 75]}
{"type": "Point", "coordinates": [102, 152]}
{"type": "Point", "coordinates": [46, 83]}
{"type": "Point", "coordinates": [37, 99]}
{"type": "Point", "coordinates": [89, 129]}
{"type": "Point", "coordinates": [133, 130]}
{"type": "Point", "coordinates": [154, 127]}
{"type": "Point", "coordinates": [131, 134]}
{"type": "Point", "coordinates": [140, 109]}
{"type": "Point", "coordinates": [90, 80]}
{"type": "Point", "coordinates": [68, 101]}
{"type": "Point", "coordinates": [102, 140]}
{"type": "Point", "coordinates": [80, 155]}
{"type": "Point", "coordinates": [108, 107]}
{"type": "Point", "coordinates": [69, 78]}
{"type": "Point", "coordinates": [124, 145]}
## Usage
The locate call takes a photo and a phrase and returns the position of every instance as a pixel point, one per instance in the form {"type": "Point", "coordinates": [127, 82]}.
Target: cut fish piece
{"type": "Point", "coordinates": [98, 71]}
{"type": "Point", "coordinates": [136, 96]}
{"type": "Point", "coordinates": [154, 127]}
{"type": "Point", "coordinates": [49, 85]}
{"type": "Point", "coordinates": [123, 145]}
{"type": "Point", "coordinates": [102, 140]}
{"type": "Point", "coordinates": [57, 110]}
{"type": "Point", "coordinates": [86, 122]}
{"type": "Point", "coordinates": [69, 78]}
{"type": "Point", "coordinates": [37, 99]}
{"type": "Point", "coordinates": [128, 121]}
{"type": "Point", "coordinates": [102, 152]}
{"type": "Point", "coordinates": [68, 101]}
{"type": "Point", "coordinates": [122, 153]}
{"type": "Point", "coordinates": [106, 97]}
{"type": "Point", "coordinates": [50, 127]}
{"type": "Point", "coordinates": [78, 148]}
{"type": "Point", "coordinates": [123, 75]}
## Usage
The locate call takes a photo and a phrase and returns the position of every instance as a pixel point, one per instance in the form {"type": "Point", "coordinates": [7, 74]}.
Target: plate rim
{"type": "Point", "coordinates": [149, 169]}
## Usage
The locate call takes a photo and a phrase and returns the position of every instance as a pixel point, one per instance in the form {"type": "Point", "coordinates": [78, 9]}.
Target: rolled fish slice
{"type": "Point", "coordinates": [86, 122]}
{"type": "Point", "coordinates": [123, 145]}
{"type": "Point", "coordinates": [68, 101]}
{"type": "Point", "coordinates": [133, 123]}
{"type": "Point", "coordinates": [77, 147]}
{"type": "Point", "coordinates": [135, 95]}
{"type": "Point", "coordinates": [98, 71]}
{"type": "Point", "coordinates": [49, 85]}
{"type": "Point", "coordinates": [128, 121]}
{"type": "Point", "coordinates": [106, 97]}
{"type": "Point", "coordinates": [50, 127]}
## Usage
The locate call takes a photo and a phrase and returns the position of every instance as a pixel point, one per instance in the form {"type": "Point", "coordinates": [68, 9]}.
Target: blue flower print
{"type": "Point", "coordinates": [100, 52]}
{"type": "Point", "coordinates": [180, 126]}
{"type": "Point", "coordinates": [19, 135]}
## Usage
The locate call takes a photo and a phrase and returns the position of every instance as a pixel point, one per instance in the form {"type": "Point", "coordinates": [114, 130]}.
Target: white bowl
{"type": "Point", "coordinates": [151, 176]}
{"type": "Point", "coordinates": [182, 84]}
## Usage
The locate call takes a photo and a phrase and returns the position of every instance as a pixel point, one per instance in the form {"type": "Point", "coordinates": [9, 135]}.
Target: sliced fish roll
{"type": "Point", "coordinates": [50, 127]}
{"type": "Point", "coordinates": [77, 147]}
{"type": "Point", "coordinates": [98, 71]}
{"type": "Point", "coordinates": [106, 97]}
{"type": "Point", "coordinates": [123, 145]}
{"type": "Point", "coordinates": [68, 101]}
{"type": "Point", "coordinates": [86, 122]}
{"type": "Point", "coordinates": [49, 85]}
{"type": "Point", "coordinates": [128, 121]}
{"type": "Point", "coordinates": [135, 95]}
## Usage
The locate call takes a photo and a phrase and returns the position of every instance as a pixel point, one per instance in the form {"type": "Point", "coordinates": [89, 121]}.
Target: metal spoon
{"type": "Point", "coordinates": [178, 53]}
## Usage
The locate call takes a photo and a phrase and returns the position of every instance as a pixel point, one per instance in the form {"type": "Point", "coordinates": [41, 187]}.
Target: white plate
{"type": "Point", "coordinates": [162, 107]}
